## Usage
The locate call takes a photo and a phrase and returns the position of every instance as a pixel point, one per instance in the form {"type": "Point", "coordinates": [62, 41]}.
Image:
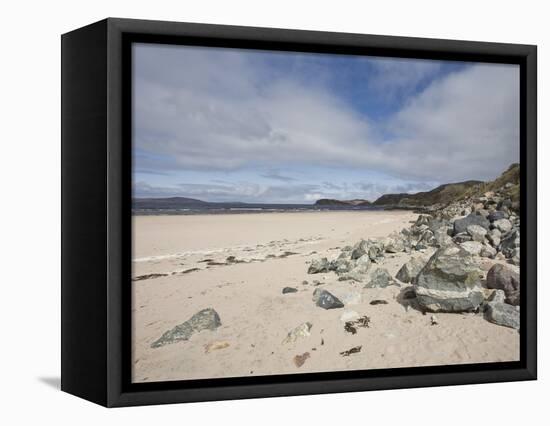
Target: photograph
{"type": "Point", "coordinates": [298, 212]}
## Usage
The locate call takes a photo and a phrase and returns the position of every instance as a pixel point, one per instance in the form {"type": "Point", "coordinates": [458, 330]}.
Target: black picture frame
{"type": "Point", "coordinates": [96, 212]}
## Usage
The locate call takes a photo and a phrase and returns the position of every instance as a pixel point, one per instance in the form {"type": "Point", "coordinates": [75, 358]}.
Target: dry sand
{"type": "Point", "coordinates": [189, 255]}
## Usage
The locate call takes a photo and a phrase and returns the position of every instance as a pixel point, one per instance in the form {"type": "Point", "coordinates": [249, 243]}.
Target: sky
{"type": "Point", "coordinates": [220, 124]}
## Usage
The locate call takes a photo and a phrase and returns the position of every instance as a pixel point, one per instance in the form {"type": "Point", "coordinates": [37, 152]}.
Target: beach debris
{"type": "Point", "coordinates": [187, 271]}
{"type": "Point", "coordinates": [303, 330]}
{"type": "Point", "coordinates": [351, 326]}
{"type": "Point", "coordinates": [433, 320]}
{"type": "Point", "coordinates": [380, 278]}
{"type": "Point", "coordinates": [410, 270]}
{"type": "Point", "coordinates": [349, 316]}
{"type": "Point", "coordinates": [450, 282]}
{"type": "Point", "coordinates": [148, 277]}
{"type": "Point", "coordinates": [351, 351]}
{"type": "Point", "coordinates": [287, 290]}
{"type": "Point", "coordinates": [305, 282]}
{"type": "Point", "coordinates": [363, 321]}
{"type": "Point", "coordinates": [207, 319]}
{"type": "Point", "coordinates": [214, 346]}
{"type": "Point", "coordinates": [326, 300]}
{"type": "Point", "coordinates": [299, 360]}
{"type": "Point", "coordinates": [506, 278]}
{"type": "Point", "coordinates": [378, 302]}
{"type": "Point", "coordinates": [502, 314]}
{"type": "Point", "coordinates": [348, 326]}
{"type": "Point", "coordinates": [318, 266]}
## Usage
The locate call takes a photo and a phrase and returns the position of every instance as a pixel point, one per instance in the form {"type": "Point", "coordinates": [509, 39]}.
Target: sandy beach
{"type": "Point", "coordinates": [238, 264]}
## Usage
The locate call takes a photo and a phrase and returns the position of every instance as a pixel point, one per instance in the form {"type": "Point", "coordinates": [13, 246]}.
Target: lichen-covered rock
{"type": "Point", "coordinates": [477, 232]}
{"type": "Point", "coordinates": [303, 330]}
{"type": "Point", "coordinates": [502, 314]}
{"type": "Point", "coordinates": [326, 300]}
{"type": "Point", "coordinates": [503, 225]}
{"type": "Point", "coordinates": [380, 278]}
{"type": "Point", "coordinates": [410, 270]}
{"type": "Point", "coordinates": [472, 247]}
{"type": "Point", "coordinates": [207, 319]}
{"type": "Point", "coordinates": [461, 225]}
{"type": "Point", "coordinates": [449, 282]}
{"type": "Point", "coordinates": [318, 266]}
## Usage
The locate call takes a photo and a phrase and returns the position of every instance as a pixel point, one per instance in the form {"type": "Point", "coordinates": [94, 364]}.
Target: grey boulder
{"type": "Point", "coordinates": [380, 278]}
{"type": "Point", "coordinates": [506, 278]}
{"type": "Point", "coordinates": [461, 225]}
{"type": "Point", "coordinates": [207, 319]}
{"type": "Point", "coordinates": [326, 300]}
{"type": "Point", "coordinates": [410, 270]}
{"type": "Point", "coordinates": [449, 282]}
{"type": "Point", "coordinates": [502, 314]}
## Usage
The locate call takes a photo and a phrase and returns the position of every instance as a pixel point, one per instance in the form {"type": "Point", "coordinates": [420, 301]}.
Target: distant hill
{"type": "Point", "coordinates": [331, 202]}
{"type": "Point", "coordinates": [166, 203]}
{"type": "Point", "coordinates": [445, 194]}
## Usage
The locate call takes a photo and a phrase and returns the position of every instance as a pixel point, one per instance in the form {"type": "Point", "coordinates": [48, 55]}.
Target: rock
{"type": "Point", "coordinates": [423, 219]}
{"type": "Point", "coordinates": [326, 300]}
{"type": "Point", "coordinates": [341, 265]}
{"type": "Point", "coordinates": [380, 278]}
{"type": "Point", "coordinates": [378, 302]}
{"type": "Point", "coordinates": [513, 298]}
{"type": "Point", "coordinates": [354, 350]}
{"type": "Point", "coordinates": [362, 265]}
{"type": "Point", "coordinates": [497, 296]}
{"type": "Point", "coordinates": [287, 290]}
{"type": "Point", "coordinates": [360, 249]}
{"type": "Point", "coordinates": [450, 282]}
{"type": "Point", "coordinates": [462, 238]}
{"type": "Point", "coordinates": [207, 319]}
{"type": "Point", "coordinates": [394, 244]}
{"type": "Point", "coordinates": [488, 251]}
{"type": "Point", "coordinates": [349, 316]}
{"type": "Point", "coordinates": [503, 225]}
{"type": "Point", "coordinates": [494, 237]}
{"type": "Point", "coordinates": [433, 320]}
{"type": "Point", "coordinates": [506, 278]}
{"type": "Point", "coordinates": [461, 225]}
{"type": "Point", "coordinates": [319, 266]}
{"type": "Point", "coordinates": [472, 247]}
{"type": "Point", "coordinates": [496, 215]}
{"type": "Point", "coordinates": [442, 238]}
{"type": "Point", "coordinates": [303, 330]}
{"type": "Point", "coordinates": [410, 270]}
{"type": "Point", "coordinates": [510, 242]}
{"type": "Point", "coordinates": [477, 232]}
{"type": "Point", "coordinates": [299, 360]}
{"type": "Point", "coordinates": [502, 314]}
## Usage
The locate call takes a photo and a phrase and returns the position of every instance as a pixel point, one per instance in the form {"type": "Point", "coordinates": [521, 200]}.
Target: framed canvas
{"type": "Point", "coordinates": [256, 212]}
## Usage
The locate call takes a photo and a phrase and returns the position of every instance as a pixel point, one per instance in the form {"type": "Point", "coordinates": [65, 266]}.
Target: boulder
{"type": "Point", "coordinates": [461, 225]}
{"type": "Point", "coordinates": [503, 225]}
{"type": "Point", "coordinates": [410, 270]}
{"type": "Point", "coordinates": [380, 278]}
{"type": "Point", "coordinates": [509, 243]}
{"type": "Point", "coordinates": [394, 244]}
{"type": "Point", "coordinates": [494, 237]}
{"type": "Point", "coordinates": [472, 247]}
{"type": "Point", "coordinates": [449, 282]}
{"type": "Point", "coordinates": [477, 233]}
{"type": "Point", "coordinates": [326, 300]}
{"type": "Point", "coordinates": [488, 251]}
{"type": "Point", "coordinates": [506, 278]}
{"type": "Point", "coordinates": [496, 215]}
{"type": "Point", "coordinates": [360, 249]}
{"type": "Point", "coordinates": [319, 266]}
{"type": "Point", "coordinates": [207, 319]}
{"type": "Point", "coordinates": [502, 314]}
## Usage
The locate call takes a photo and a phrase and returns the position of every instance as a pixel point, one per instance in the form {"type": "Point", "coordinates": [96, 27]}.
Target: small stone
{"type": "Point", "coordinates": [299, 360]}
{"type": "Point", "coordinates": [378, 302]}
{"type": "Point", "coordinates": [319, 266]}
{"type": "Point", "coordinates": [214, 346]}
{"type": "Point", "coordinates": [433, 320]}
{"type": "Point", "coordinates": [503, 225]}
{"type": "Point", "coordinates": [303, 330]}
{"type": "Point", "coordinates": [326, 300]}
{"type": "Point", "coordinates": [287, 290]}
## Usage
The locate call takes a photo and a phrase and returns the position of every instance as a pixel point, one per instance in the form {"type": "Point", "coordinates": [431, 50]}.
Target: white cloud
{"type": "Point", "coordinates": [204, 111]}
